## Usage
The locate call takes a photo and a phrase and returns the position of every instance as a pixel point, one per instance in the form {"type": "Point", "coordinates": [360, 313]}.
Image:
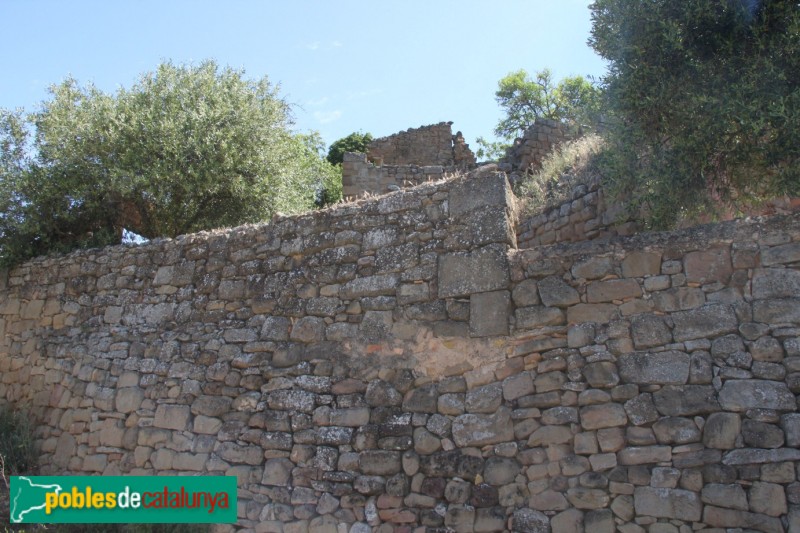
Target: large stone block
{"type": "Point", "coordinates": [308, 329]}
{"type": "Point", "coordinates": [500, 470]}
{"type": "Point", "coordinates": [708, 266]}
{"type": "Point", "coordinates": [601, 375]}
{"type": "Point", "coordinates": [730, 495]}
{"type": "Point", "coordinates": [128, 399]}
{"type": "Point", "coordinates": [176, 275]}
{"type": "Point", "coordinates": [603, 416]}
{"type": "Point", "coordinates": [641, 410]}
{"type": "Point", "coordinates": [379, 462]}
{"type": "Point", "coordinates": [775, 283]}
{"type": "Point", "coordinates": [639, 264]}
{"type": "Point", "coordinates": [370, 286]}
{"type": "Point", "coordinates": [642, 455]}
{"type": "Point", "coordinates": [538, 316]}
{"type": "Point", "coordinates": [488, 313]}
{"type": "Point", "coordinates": [568, 521]}
{"type": "Point", "coordinates": [790, 423]}
{"type": "Point", "coordinates": [649, 330]}
{"type": "Point", "coordinates": [451, 464]}
{"type": "Point", "coordinates": [554, 292]}
{"type": "Point", "coordinates": [479, 430]}
{"type": "Point", "coordinates": [677, 504]}
{"type": "Point", "coordinates": [172, 417]}
{"type": "Point", "coordinates": [742, 394]}
{"type": "Point", "coordinates": [593, 268]}
{"type": "Point", "coordinates": [777, 311]}
{"type": "Point", "coordinates": [276, 328]}
{"type": "Point", "coordinates": [291, 400]}
{"type": "Point", "coordinates": [704, 322]}
{"type": "Point", "coordinates": [599, 313]}
{"type": "Point", "coordinates": [530, 521]}
{"type": "Point", "coordinates": [733, 518]}
{"type": "Point", "coordinates": [486, 399]}
{"type": "Point", "coordinates": [721, 430]}
{"type": "Point", "coordinates": [686, 400]}
{"type": "Point", "coordinates": [423, 399]}
{"type": "Point", "coordinates": [277, 472]}
{"type": "Point", "coordinates": [489, 226]}
{"type": "Point", "coordinates": [586, 498]}
{"type": "Point", "coordinates": [752, 456]}
{"type": "Point", "coordinates": [663, 368]}
{"type": "Point", "coordinates": [757, 434]}
{"type": "Point", "coordinates": [776, 255]}
{"type": "Point", "coordinates": [211, 405]}
{"type": "Point", "coordinates": [480, 192]}
{"type": "Point", "coordinates": [615, 289]}
{"type": "Point", "coordinates": [676, 430]}
{"type": "Point", "coordinates": [466, 273]}
{"type": "Point", "coordinates": [376, 325]}
{"type": "Point", "coordinates": [768, 499]}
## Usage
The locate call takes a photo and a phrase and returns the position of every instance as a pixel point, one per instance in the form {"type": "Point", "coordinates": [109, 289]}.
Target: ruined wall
{"type": "Point", "coordinates": [584, 216]}
{"type": "Point", "coordinates": [426, 145]}
{"type": "Point", "coordinates": [360, 176]}
{"type": "Point", "coordinates": [398, 364]}
{"type": "Point", "coordinates": [541, 138]}
{"type": "Point", "coordinates": [406, 159]}
{"type": "Point", "coordinates": [589, 214]}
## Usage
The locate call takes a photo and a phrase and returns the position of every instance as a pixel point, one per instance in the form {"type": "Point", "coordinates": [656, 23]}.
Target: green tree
{"type": "Point", "coordinates": [704, 101]}
{"type": "Point", "coordinates": [490, 150]}
{"type": "Point", "coordinates": [355, 142]}
{"type": "Point", "coordinates": [573, 100]}
{"type": "Point", "coordinates": [186, 148]}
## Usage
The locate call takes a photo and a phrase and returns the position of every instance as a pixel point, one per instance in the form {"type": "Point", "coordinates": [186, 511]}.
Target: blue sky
{"type": "Point", "coordinates": [349, 65]}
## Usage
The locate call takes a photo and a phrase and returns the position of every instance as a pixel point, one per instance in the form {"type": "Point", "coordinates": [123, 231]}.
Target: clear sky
{"type": "Point", "coordinates": [347, 65]}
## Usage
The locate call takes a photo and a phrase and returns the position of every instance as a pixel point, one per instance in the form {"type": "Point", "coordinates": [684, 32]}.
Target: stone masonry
{"type": "Point", "coordinates": [587, 214]}
{"type": "Point", "coordinates": [406, 159]}
{"type": "Point", "coordinates": [536, 143]}
{"type": "Point", "coordinates": [426, 145]}
{"type": "Point", "coordinates": [397, 364]}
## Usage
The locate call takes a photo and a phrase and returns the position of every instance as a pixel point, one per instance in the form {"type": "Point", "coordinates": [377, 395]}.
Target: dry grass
{"type": "Point", "coordinates": [566, 167]}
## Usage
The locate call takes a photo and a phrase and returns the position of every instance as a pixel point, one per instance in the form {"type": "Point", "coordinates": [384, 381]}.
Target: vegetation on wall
{"type": "Point", "coordinates": [704, 102]}
{"type": "Point", "coordinates": [574, 101]}
{"type": "Point", "coordinates": [570, 164]}
{"type": "Point", "coordinates": [355, 142]}
{"type": "Point", "coordinates": [187, 148]}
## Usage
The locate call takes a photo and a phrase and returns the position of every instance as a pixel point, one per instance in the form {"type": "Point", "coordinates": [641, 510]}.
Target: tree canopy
{"type": "Point", "coordinates": [186, 148]}
{"type": "Point", "coordinates": [574, 101]}
{"type": "Point", "coordinates": [704, 101]}
{"type": "Point", "coordinates": [355, 142]}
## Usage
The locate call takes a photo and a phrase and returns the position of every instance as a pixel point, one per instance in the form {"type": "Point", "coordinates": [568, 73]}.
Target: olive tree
{"type": "Point", "coordinates": [704, 101]}
{"type": "Point", "coordinates": [186, 148]}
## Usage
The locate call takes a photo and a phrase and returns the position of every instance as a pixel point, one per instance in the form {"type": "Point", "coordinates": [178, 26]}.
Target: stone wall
{"type": "Point", "coordinates": [584, 216]}
{"type": "Point", "coordinates": [396, 364]}
{"type": "Point", "coordinates": [588, 214]}
{"type": "Point", "coordinates": [406, 159]}
{"type": "Point", "coordinates": [426, 145]}
{"type": "Point", "coordinates": [359, 176]}
{"type": "Point", "coordinates": [541, 137]}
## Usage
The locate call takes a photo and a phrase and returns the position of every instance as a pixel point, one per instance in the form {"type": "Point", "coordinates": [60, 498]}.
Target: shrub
{"type": "Point", "coordinates": [572, 163]}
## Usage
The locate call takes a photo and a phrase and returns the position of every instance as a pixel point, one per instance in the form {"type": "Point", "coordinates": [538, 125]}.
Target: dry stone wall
{"type": "Point", "coordinates": [536, 143]}
{"type": "Point", "coordinates": [397, 365]}
{"type": "Point", "coordinates": [406, 159]}
{"type": "Point", "coordinates": [360, 177]}
{"type": "Point", "coordinates": [584, 216]}
{"type": "Point", "coordinates": [426, 145]}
